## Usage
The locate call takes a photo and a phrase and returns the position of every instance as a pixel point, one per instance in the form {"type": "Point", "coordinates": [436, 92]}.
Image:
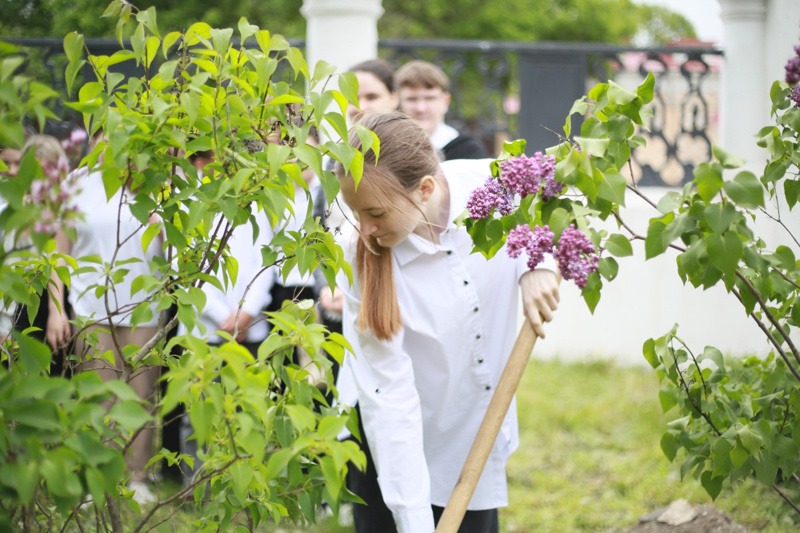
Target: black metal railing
{"type": "Point", "coordinates": [505, 90]}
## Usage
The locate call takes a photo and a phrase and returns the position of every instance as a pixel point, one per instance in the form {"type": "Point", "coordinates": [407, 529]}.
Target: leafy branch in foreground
{"type": "Point", "coordinates": [267, 435]}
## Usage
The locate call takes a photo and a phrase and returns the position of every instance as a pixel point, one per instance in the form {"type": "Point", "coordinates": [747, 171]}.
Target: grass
{"type": "Point", "coordinates": [589, 459]}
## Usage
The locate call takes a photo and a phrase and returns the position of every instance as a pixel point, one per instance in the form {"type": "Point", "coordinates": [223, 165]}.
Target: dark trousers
{"type": "Point", "coordinates": [375, 517]}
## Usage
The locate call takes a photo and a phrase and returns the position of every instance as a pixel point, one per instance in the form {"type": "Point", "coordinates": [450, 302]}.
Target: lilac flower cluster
{"type": "Point", "coordinates": [794, 96]}
{"type": "Point", "coordinates": [575, 253]}
{"type": "Point", "coordinates": [576, 256]}
{"type": "Point", "coordinates": [535, 243]}
{"type": "Point", "coordinates": [484, 199]}
{"type": "Point", "coordinates": [518, 175]}
{"type": "Point", "coordinates": [793, 68]}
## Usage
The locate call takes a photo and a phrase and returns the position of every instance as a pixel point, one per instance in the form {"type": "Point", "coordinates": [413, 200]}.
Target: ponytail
{"type": "Point", "coordinates": [379, 310]}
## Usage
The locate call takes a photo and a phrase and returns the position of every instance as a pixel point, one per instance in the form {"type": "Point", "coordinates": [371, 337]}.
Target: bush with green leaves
{"type": "Point", "coordinates": [736, 418]}
{"type": "Point", "coordinates": [268, 434]}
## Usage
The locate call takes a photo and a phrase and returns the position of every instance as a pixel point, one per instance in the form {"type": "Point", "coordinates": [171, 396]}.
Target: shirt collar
{"type": "Point", "coordinates": [443, 135]}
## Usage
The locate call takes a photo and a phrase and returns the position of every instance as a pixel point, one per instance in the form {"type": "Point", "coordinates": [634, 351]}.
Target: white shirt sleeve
{"type": "Point", "coordinates": [392, 417]}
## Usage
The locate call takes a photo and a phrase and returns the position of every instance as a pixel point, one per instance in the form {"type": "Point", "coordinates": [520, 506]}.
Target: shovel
{"type": "Point", "coordinates": [453, 513]}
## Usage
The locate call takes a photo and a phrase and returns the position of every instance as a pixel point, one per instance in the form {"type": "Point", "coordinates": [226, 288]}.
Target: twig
{"type": "Point", "coordinates": [769, 314]}
{"type": "Point", "coordinates": [779, 221]}
{"type": "Point", "coordinates": [786, 498]}
{"type": "Point", "coordinates": [691, 400]}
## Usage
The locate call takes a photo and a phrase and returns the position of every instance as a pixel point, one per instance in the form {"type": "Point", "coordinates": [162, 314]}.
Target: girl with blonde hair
{"type": "Point", "coordinates": [431, 326]}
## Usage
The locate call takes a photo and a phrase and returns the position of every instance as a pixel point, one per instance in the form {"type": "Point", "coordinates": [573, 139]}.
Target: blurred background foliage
{"type": "Point", "coordinates": [609, 21]}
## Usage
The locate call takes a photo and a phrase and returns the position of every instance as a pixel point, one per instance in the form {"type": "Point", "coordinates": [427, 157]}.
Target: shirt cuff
{"type": "Point", "coordinates": [414, 521]}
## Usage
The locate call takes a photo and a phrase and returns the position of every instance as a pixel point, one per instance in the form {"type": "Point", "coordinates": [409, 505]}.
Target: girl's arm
{"type": "Point", "coordinates": [392, 417]}
{"type": "Point", "coordinates": [58, 328]}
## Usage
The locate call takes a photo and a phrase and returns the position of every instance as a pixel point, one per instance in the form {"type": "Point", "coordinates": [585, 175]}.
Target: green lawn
{"type": "Point", "coordinates": [589, 459]}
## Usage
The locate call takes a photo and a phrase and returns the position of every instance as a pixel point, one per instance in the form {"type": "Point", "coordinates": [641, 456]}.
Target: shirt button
{"type": "Point", "coordinates": [488, 387]}
{"type": "Point", "coordinates": [476, 309]}
{"type": "Point", "coordinates": [377, 391]}
{"type": "Point", "coordinates": [478, 336]}
{"type": "Point", "coordinates": [449, 252]}
{"type": "Point", "coordinates": [466, 282]}
{"type": "Point", "coordinates": [480, 361]}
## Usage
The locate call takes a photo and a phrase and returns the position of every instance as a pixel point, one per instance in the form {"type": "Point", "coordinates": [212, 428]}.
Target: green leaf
{"type": "Point", "coordinates": [175, 237]}
{"type": "Point", "coordinates": [298, 62]}
{"type": "Point", "coordinates": [330, 426]}
{"type": "Point", "coordinates": [348, 84]}
{"type": "Point", "coordinates": [767, 469]}
{"type": "Point", "coordinates": [669, 445]}
{"type": "Point", "coordinates": [618, 245]}
{"type": "Point", "coordinates": [246, 29]}
{"type": "Point", "coordinates": [726, 159]}
{"type": "Point", "coordinates": [750, 440]}
{"type": "Point", "coordinates": [720, 216]}
{"type": "Point", "coordinates": [646, 90]}
{"type": "Point", "coordinates": [558, 221]}
{"type": "Point", "coordinates": [201, 415]}
{"type": "Point", "coordinates": [724, 251]}
{"type": "Point", "coordinates": [22, 477]}
{"type": "Point", "coordinates": [221, 39]}
{"type": "Point", "coordinates": [649, 352]}
{"type": "Point", "coordinates": [277, 462]}
{"type": "Point", "coordinates": [73, 46]}
{"type": "Point", "coordinates": [593, 147]}
{"type": "Point", "coordinates": [608, 268]}
{"type": "Point", "coordinates": [612, 188]}
{"type": "Point", "coordinates": [713, 354]}
{"type": "Point", "coordinates": [618, 95]}
{"type": "Point", "coordinates": [34, 356]}
{"type": "Point", "coordinates": [149, 234]}
{"type": "Point", "coordinates": [745, 190]}
{"type": "Point", "coordinates": [654, 244]}
{"type": "Point", "coordinates": [712, 484]}
{"type": "Point", "coordinates": [708, 178]}
{"type": "Point", "coordinates": [322, 70]}
{"type": "Point", "coordinates": [130, 414]}
{"type": "Point", "coordinates": [170, 39]}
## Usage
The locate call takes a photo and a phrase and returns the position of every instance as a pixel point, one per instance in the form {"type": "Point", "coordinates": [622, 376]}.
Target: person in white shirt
{"type": "Point", "coordinates": [232, 310]}
{"type": "Point", "coordinates": [108, 230]}
{"type": "Point", "coordinates": [431, 326]}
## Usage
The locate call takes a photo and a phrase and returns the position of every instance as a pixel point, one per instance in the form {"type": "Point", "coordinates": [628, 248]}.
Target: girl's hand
{"type": "Point", "coordinates": [539, 297]}
{"type": "Point", "coordinates": [58, 330]}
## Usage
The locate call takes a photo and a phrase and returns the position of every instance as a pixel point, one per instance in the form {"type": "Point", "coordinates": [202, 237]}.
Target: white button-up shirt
{"type": "Point", "coordinates": [423, 394]}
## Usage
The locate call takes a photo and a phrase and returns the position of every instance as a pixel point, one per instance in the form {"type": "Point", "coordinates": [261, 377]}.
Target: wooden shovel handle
{"type": "Point", "coordinates": [453, 513]}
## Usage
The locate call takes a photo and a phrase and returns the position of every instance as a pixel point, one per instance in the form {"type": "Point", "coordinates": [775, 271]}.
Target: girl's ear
{"type": "Point", "coordinates": [426, 187]}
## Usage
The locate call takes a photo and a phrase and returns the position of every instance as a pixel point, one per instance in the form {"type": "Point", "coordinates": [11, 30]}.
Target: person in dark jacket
{"type": "Point", "coordinates": [423, 92]}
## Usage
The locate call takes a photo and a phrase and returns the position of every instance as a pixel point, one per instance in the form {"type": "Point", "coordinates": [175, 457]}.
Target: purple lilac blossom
{"type": "Point", "coordinates": [542, 243]}
{"type": "Point", "coordinates": [576, 256]}
{"type": "Point", "coordinates": [520, 175]}
{"type": "Point", "coordinates": [481, 202]}
{"type": "Point", "coordinates": [519, 239]}
{"type": "Point", "coordinates": [793, 70]}
{"type": "Point", "coordinates": [492, 195]}
{"type": "Point", "coordinates": [794, 96]}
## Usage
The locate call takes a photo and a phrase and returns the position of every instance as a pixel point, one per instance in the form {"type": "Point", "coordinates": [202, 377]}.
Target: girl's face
{"type": "Point", "coordinates": [389, 224]}
{"type": "Point", "coordinates": [372, 96]}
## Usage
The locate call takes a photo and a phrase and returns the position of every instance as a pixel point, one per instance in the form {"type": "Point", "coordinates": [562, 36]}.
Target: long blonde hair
{"type": "Point", "coordinates": [406, 156]}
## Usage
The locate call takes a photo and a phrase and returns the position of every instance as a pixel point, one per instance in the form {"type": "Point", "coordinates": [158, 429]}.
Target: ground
{"type": "Point", "coordinates": [707, 519]}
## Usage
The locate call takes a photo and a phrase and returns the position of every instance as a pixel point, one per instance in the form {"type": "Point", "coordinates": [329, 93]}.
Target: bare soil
{"type": "Point", "coordinates": [708, 519]}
